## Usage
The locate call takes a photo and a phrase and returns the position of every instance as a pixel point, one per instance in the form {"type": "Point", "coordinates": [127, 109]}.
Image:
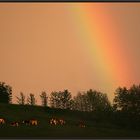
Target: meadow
{"type": "Point", "coordinates": [71, 129]}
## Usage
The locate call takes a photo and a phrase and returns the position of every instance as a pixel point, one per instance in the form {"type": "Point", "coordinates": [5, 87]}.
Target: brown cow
{"type": "Point", "coordinates": [30, 122]}
{"type": "Point", "coordinates": [2, 121]}
{"type": "Point", "coordinates": [61, 121]}
{"type": "Point", "coordinates": [53, 121]}
{"type": "Point", "coordinates": [82, 124]}
{"type": "Point", "coordinates": [33, 122]}
{"type": "Point", "coordinates": [14, 124]}
{"type": "Point", "coordinates": [26, 122]}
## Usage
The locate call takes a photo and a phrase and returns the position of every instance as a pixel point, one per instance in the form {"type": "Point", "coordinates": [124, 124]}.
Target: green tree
{"type": "Point", "coordinates": [44, 98]}
{"type": "Point", "coordinates": [21, 99]}
{"type": "Point", "coordinates": [5, 93]}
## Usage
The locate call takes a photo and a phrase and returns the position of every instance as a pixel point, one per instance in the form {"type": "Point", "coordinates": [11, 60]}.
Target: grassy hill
{"type": "Point", "coordinates": [44, 130]}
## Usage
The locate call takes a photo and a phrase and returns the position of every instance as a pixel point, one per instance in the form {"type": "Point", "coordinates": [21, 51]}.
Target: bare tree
{"type": "Point", "coordinates": [65, 99]}
{"type": "Point", "coordinates": [55, 99]}
{"type": "Point", "coordinates": [21, 99]}
{"type": "Point", "coordinates": [31, 99]}
{"type": "Point", "coordinates": [44, 98]}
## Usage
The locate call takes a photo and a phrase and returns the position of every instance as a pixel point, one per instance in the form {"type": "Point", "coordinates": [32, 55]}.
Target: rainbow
{"type": "Point", "coordinates": [101, 39]}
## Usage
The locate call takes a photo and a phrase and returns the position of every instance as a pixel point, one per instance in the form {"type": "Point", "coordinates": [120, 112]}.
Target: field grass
{"type": "Point", "coordinates": [44, 130]}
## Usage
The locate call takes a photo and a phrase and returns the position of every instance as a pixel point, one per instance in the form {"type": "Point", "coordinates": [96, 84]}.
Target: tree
{"type": "Point", "coordinates": [65, 99]}
{"type": "Point", "coordinates": [31, 99]}
{"type": "Point", "coordinates": [134, 99]}
{"type": "Point", "coordinates": [5, 93]}
{"type": "Point", "coordinates": [21, 99]}
{"type": "Point", "coordinates": [80, 102]}
{"type": "Point", "coordinates": [54, 99]}
{"type": "Point", "coordinates": [44, 98]}
{"type": "Point", "coordinates": [120, 101]}
{"type": "Point", "coordinates": [71, 104]}
{"type": "Point", "coordinates": [127, 104]}
{"type": "Point", "coordinates": [92, 100]}
{"type": "Point", "coordinates": [60, 99]}
{"type": "Point", "coordinates": [97, 100]}
{"type": "Point", "coordinates": [128, 99]}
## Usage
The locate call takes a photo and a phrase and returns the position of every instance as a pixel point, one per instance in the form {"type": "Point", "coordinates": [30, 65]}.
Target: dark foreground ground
{"type": "Point", "coordinates": [65, 132]}
{"type": "Point", "coordinates": [44, 130]}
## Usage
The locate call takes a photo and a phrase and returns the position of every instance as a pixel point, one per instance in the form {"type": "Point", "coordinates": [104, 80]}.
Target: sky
{"type": "Point", "coordinates": [76, 46]}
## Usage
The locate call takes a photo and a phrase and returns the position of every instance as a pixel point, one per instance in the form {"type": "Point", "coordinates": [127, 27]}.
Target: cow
{"type": "Point", "coordinates": [2, 121]}
{"type": "Point", "coordinates": [61, 121]}
{"type": "Point", "coordinates": [30, 122]}
{"type": "Point", "coordinates": [33, 122]}
{"type": "Point", "coordinates": [14, 124]}
{"type": "Point", "coordinates": [26, 122]}
{"type": "Point", "coordinates": [82, 124]}
{"type": "Point", "coordinates": [53, 121]}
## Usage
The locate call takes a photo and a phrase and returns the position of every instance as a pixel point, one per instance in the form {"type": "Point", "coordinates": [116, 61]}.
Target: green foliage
{"type": "Point", "coordinates": [5, 93]}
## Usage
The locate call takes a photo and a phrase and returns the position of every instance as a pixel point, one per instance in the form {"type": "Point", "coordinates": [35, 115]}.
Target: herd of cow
{"type": "Point", "coordinates": [17, 123]}
{"type": "Point", "coordinates": [52, 121]}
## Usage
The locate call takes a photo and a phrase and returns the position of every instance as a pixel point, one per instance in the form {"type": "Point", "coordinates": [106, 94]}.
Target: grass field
{"type": "Point", "coordinates": [44, 130]}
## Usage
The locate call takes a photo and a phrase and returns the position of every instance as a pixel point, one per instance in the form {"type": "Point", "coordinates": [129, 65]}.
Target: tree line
{"type": "Point", "coordinates": [124, 111]}
{"type": "Point", "coordinates": [84, 101]}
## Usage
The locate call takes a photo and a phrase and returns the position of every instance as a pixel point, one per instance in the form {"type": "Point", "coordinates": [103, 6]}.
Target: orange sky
{"type": "Point", "coordinates": [40, 48]}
